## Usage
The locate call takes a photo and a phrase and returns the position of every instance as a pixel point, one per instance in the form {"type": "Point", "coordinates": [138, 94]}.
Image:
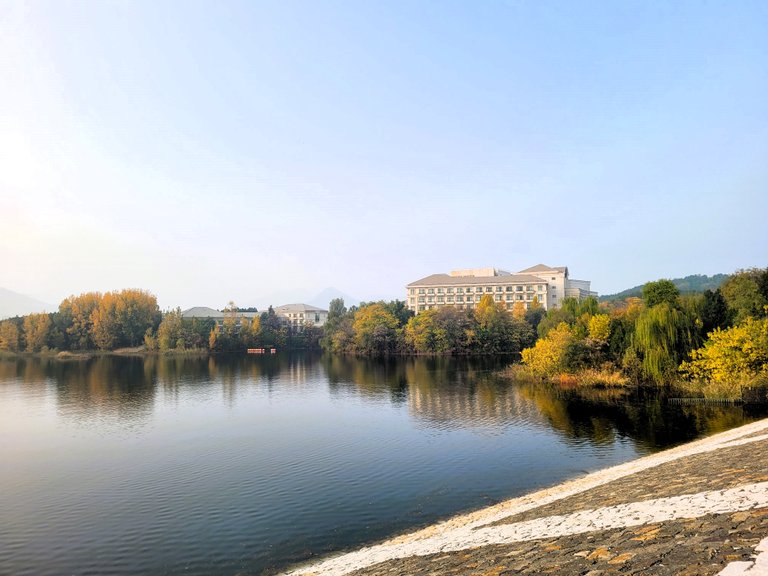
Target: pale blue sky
{"type": "Point", "coordinates": [209, 151]}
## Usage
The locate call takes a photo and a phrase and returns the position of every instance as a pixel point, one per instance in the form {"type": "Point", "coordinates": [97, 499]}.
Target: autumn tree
{"type": "Point", "coordinates": [549, 356]}
{"type": "Point", "coordinates": [732, 357]}
{"type": "Point", "coordinates": [170, 333]}
{"type": "Point", "coordinates": [375, 330]}
{"type": "Point", "coordinates": [75, 316]}
{"type": "Point", "coordinates": [135, 311]}
{"type": "Point", "coordinates": [37, 331]}
{"type": "Point", "coordinates": [10, 336]}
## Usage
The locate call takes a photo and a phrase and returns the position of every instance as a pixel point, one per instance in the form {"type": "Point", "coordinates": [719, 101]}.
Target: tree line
{"type": "Point", "coordinates": [89, 321]}
{"type": "Point", "coordinates": [131, 318]}
{"type": "Point", "coordinates": [380, 328]}
{"type": "Point", "coordinates": [715, 342]}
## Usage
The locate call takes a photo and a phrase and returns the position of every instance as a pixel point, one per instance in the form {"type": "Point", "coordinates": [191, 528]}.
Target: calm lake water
{"type": "Point", "coordinates": [247, 465]}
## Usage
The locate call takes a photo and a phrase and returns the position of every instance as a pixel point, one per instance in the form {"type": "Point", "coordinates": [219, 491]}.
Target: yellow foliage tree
{"type": "Point", "coordinates": [518, 311]}
{"type": "Point", "coordinates": [548, 355]}
{"type": "Point", "coordinates": [36, 331]}
{"type": "Point", "coordinates": [738, 354]}
{"type": "Point", "coordinates": [600, 327]}
{"type": "Point", "coordinates": [10, 336]}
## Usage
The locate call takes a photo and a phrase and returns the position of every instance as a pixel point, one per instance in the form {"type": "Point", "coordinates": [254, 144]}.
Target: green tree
{"type": "Point", "coordinates": [714, 311]}
{"type": "Point", "coordinates": [271, 330]}
{"type": "Point", "coordinates": [170, 331]}
{"type": "Point", "coordinates": [746, 293]}
{"type": "Point", "coordinates": [499, 332]}
{"type": "Point", "coordinates": [662, 338]}
{"type": "Point", "coordinates": [655, 293]}
{"type": "Point", "coordinates": [424, 334]}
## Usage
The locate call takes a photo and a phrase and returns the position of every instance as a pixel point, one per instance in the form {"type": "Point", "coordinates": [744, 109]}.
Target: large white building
{"type": "Point", "coordinates": [464, 288]}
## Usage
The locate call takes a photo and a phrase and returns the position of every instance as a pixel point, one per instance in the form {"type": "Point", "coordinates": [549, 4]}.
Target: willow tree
{"type": "Point", "coordinates": [663, 336]}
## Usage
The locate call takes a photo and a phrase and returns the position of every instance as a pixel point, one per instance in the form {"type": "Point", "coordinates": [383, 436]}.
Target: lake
{"type": "Point", "coordinates": [246, 465]}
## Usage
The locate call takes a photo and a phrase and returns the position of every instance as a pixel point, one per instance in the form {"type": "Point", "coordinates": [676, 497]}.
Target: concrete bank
{"type": "Point", "coordinates": [698, 509]}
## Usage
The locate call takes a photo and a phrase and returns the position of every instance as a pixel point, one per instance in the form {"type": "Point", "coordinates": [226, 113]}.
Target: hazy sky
{"type": "Point", "coordinates": [216, 151]}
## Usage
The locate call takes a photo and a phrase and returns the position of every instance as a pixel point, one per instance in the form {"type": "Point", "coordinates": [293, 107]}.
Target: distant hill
{"type": "Point", "coordinates": [323, 299]}
{"type": "Point", "coordinates": [15, 304]}
{"type": "Point", "coordinates": [687, 285]}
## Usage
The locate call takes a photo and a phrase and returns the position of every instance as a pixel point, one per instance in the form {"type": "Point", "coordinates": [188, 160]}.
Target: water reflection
{"type": "Point", "coordinates": [444, 393]}
{"type": "Point", "coordinates": [215, 465]}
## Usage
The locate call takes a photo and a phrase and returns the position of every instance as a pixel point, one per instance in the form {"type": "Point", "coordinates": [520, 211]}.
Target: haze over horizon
{"type": "Point", "coordinates": [210, 153]}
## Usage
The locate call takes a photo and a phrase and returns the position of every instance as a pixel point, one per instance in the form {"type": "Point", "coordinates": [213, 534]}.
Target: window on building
{"type": "Point", "coordinates": [422, 291]}
{"type": "Point", "coordinates": [430, 291]}
{"type": "Point", "coordinates": [459, 290]}
{"type": "Point", "coordinates": [439, 290]}
{"type": "Point", "coordinates": [554, 279]}
{"type": "Point", "coordinates": [541, 288]}
{"type": "Point", "coordinates": [488, 289]}
{"type": "Point", "coordinates": [450, 298]}
{"type": "Point", "coordinates": [440, 299]}
{"type": "Point", "coordinates": [497, 297]}
{"type": "Point", "coordinates": [529, 288]}
{"type": "Point", "coordinates": [430, 299]}
{"type": "Point", "coordinates": [459, 298]}
{"type": "Point", "coordinates": [469, 299]}
{"type": "Point", "coordinates": [509, 288]}
{"type": "Point", "coordinates": [519, 288]}
{"type": "Point", "coordinates": [519, 296]}
{"type": "Point", "coordinates": [412, 291]}
{"type": "Point", "coordinates": [450, 290]}
{"type": "Point", "coordinates": [421, 299]}
{"type": "Point", "coordinates": [499, 288]}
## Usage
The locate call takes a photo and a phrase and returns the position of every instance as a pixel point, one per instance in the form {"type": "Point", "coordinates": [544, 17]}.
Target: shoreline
{"type": "Point", "coordinates": [461, 532]}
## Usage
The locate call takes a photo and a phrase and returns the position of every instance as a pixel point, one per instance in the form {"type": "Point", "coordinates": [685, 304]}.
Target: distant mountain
{"type": "Point", "coordinates": [687, 285]}
{"type": "Point", "coordinates": [324, 298]}
{"type": "Point", "coordinates": [15, 304]}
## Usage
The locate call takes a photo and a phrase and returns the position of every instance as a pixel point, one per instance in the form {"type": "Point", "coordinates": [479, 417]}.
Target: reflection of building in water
{"type": "Point", "coordinates": [470, 406]}
{"type": "Point", "coordinates": [300, 371]}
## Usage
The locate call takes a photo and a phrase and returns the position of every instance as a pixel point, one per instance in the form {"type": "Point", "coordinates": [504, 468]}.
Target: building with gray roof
{"type": "Point", "coordinates": [542, 284]}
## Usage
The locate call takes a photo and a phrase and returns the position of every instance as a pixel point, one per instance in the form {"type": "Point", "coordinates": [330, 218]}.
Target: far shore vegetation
{"type": "Point", "coordinates": [712, 344]}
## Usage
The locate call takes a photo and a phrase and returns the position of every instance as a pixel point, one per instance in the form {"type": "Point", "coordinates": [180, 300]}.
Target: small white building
{"type": "Point", "coordinates": [300, 315]}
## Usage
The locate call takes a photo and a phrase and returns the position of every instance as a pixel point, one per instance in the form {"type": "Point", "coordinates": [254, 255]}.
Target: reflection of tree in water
{"type": "Point", "coordinates": [112, 388]}
{"type": "Point", "coordinates": [647, 417]}
{"type": "Point", "coordinates": [374, 377]}
{"type": "Point", "coordinates": [441, 391]}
